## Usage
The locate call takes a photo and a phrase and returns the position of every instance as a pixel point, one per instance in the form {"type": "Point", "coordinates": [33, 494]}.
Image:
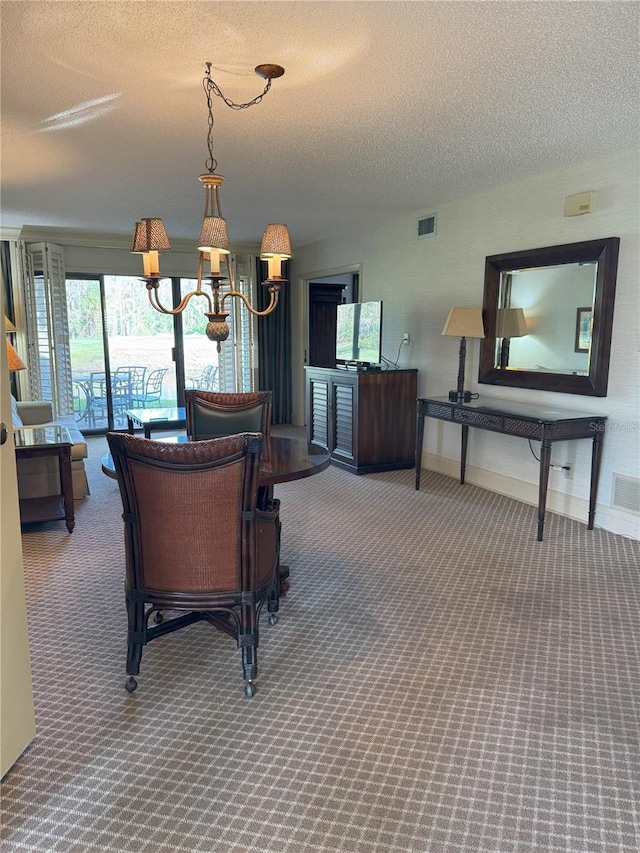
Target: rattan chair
{"type": "Point", "coordinates": [210, 414]}
{"type": "Point", "coordinates": [195, 541]}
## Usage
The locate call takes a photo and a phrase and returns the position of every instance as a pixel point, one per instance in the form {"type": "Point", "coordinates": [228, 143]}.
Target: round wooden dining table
{"type": "Point", "coordinates": [283, 459]}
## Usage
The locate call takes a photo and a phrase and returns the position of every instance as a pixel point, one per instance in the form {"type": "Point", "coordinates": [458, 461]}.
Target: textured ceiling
{"type": "Point", "coordinates": [385, 107]}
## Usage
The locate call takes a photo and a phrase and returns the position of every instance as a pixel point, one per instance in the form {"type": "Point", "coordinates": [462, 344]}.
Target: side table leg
{"type": "Point", "coordinates": [545, 462]}
{"type": "Point", "coordinates": [66, 487]}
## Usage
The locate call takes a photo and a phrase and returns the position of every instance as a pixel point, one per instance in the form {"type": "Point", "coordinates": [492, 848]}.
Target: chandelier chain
{"type": "Point", "coordinates": [209, 85]}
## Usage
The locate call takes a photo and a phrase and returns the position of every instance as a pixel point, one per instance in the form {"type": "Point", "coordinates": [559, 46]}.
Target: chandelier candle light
{"type": "Point", "coordinates": [150, 237]}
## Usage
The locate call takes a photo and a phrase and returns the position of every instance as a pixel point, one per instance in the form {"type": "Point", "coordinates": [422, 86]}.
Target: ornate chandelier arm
{"type": "Point", "coordinates": [274, 291]}
{"type": "Point", "coordinates": [152, 290]}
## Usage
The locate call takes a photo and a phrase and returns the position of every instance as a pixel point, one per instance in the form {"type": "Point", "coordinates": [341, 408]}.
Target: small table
{"type": "Point", "coordinates": [32, 442]}
{"type": "Point", "coordinates": [519, 419]}
{"type": "Point", "coordinates": [150, 419]}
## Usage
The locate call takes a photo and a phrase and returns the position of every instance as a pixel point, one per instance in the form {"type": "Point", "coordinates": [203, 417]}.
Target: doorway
{"type": "Point", "coordinates": [325, 295]}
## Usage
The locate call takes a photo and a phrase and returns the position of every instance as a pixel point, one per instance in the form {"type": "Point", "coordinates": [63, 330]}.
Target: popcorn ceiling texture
{"type": "Point", "coordinates": [385, 107]}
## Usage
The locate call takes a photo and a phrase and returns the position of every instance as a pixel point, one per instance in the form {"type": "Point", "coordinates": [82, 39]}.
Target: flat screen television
{"type": "Point", "coordinates": [359, 333]}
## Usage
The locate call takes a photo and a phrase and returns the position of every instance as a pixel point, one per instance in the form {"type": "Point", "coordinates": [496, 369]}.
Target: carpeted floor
{"type": "Point", "coordinates": [438, 682]}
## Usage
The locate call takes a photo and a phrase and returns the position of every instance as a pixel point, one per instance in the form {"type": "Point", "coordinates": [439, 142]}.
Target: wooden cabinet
{"type": "Point", "coordinates": [366, 420]}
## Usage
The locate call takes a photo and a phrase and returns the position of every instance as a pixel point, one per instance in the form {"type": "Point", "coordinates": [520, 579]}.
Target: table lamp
{"type": "Point", "coordinates": [13, 359]}
{"type": "Point", "coordinates": [511, 324]}
{"type": "Point", "coordinates": [463, 323]}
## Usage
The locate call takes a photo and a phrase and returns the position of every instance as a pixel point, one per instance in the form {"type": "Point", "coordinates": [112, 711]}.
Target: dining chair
{"type": "Point", "coordinates": [152, 395]}
{"type": "Point", "coordinates": [210, 414]}
{"type": "Point", "coordinates": [208, 379]}
{"type": "Point", "coordinates": [219, 567]}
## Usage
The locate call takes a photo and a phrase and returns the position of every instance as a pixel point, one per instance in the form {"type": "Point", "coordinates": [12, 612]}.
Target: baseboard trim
{"type": "Point", "coordinates": [607, 517]}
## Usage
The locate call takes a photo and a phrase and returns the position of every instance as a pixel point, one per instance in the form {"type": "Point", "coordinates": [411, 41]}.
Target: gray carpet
{"type": "Point", "coordinates": [438, 682]}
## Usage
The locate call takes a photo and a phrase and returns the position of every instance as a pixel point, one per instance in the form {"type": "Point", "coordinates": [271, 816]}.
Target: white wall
{"type": "Point", "coordinates": [17, 716]}
{"type": "Point", "coordinates": [419, 279]}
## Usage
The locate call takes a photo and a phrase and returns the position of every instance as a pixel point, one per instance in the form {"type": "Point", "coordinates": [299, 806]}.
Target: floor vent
{"type": "Point", "coordinates": [427, 226]}
{"type": "Point", "coordinates": [626, 493]}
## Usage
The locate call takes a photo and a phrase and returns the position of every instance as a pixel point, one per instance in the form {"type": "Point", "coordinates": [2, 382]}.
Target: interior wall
{"type": "Point", "coordinates": [421, 278]}
{"type": "Point", "coordinates": [17, 715]}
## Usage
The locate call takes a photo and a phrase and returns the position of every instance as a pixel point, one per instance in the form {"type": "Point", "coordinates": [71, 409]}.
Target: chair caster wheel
{"type": "Point", "coordinates": [273, 619]}
{"type": "Point", "coordinates": [249, 689]}
{"type": "Point", "coordinates": [158, 617]}
{"type": "Point", "coordinates": [130, 684]}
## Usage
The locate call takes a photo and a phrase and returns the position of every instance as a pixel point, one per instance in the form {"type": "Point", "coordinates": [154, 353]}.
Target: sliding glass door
{"type": "Point", "coordinates": [125, 355]}
{"type": "Point", "coordinates": [121, 351]}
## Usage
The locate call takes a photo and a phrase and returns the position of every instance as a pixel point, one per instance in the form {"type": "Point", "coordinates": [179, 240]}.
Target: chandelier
{"type": "Point", "coordinates": [214, 249]}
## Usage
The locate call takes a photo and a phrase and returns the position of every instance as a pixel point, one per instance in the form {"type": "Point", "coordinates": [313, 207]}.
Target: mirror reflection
{"type": "Point", "coordinates": [544, 319]}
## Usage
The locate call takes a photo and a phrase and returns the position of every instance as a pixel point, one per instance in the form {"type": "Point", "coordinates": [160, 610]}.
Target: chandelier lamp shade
{"type": "Point", "coordinates": [214, 248]}
{"type": "Point", "coordinates": [463, 323]}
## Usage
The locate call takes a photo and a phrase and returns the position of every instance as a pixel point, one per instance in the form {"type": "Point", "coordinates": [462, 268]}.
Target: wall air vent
{"type": "Point", "coordinates": [626, 493]}
{"type": "Point", "coordinates": [427, 225]}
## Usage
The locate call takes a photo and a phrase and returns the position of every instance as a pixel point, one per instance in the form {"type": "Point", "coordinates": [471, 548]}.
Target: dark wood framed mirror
{"type": "Point", "coordinates": [532, 303]}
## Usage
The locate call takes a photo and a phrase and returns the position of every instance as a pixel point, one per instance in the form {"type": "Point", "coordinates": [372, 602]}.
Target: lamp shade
{"type": "Point", "coordinates": [464, 323]}
{"type": "Point", "coordinates": [9, 326]}
{"type": "Point", "coordinates": [275, 241]}
{"type": "Point", "coordinates": [14, 360]}
{"type": "Point", "coordinates": [511, 323]}
{"type": "Point", "coordinates": [149, 236]}
{"type": "Point", "coordinates": [214, 235]}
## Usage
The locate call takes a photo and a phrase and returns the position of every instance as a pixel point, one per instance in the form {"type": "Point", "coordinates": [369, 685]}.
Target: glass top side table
{"type": "Point", "coordinates": [36, 442]}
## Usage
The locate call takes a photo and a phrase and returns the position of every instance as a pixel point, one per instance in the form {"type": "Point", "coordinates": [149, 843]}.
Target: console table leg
{"type": "Point", "coordinates": [545, 462]}
{"type": "Point", "coordinates": [463, 452]}
{"type": "Point", "coordinates": [596, 456]}
{"type": "Point", "coordinates": [419, 439]}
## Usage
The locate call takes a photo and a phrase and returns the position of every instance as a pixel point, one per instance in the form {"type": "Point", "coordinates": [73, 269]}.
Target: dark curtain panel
{"type": "Point", "coordinates": [5, 260]}
{"type": "Point", "coordinates": [274, 346]}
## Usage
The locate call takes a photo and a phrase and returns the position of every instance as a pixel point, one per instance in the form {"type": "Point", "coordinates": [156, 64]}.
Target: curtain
{"type": "Point", "coordinates": [274, 346]}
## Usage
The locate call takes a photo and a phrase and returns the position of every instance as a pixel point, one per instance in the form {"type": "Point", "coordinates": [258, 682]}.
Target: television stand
{"type": "Point", "coordinates": [365, 418]}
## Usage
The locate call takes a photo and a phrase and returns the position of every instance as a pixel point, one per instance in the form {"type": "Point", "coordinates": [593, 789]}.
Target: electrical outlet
{"type": "Point", "coordinates": [406, 338]}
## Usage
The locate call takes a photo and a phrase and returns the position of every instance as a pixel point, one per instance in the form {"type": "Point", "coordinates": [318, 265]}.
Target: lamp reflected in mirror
{"type": "Point", "coordinates": [511, 323]}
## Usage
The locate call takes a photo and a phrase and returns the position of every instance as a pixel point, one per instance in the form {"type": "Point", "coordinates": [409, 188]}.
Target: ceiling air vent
{"type": "Point", "coordinates": [427, 225]}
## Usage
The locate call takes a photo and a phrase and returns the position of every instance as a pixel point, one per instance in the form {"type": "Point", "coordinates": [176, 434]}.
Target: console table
{"type": "Point", "coordinates": [519, 419]}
